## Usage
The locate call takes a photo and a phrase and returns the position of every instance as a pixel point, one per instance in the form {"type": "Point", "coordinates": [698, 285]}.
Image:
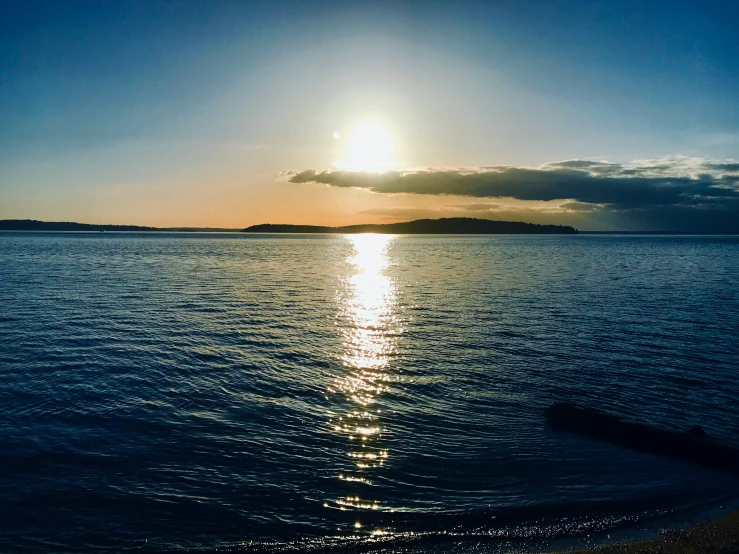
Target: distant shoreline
{"type": "Point", "coordinates": [71, 226]}
{"type": "Point", "coordinates": [443, 226]}
{"type": "Point", "coordinates": [448, 226]}
{"type": "Point", "coordinates": [460, 225]}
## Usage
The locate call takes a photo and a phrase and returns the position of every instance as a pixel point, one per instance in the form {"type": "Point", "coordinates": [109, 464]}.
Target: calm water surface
{"type": "Point", "coordinates": [279, 393]}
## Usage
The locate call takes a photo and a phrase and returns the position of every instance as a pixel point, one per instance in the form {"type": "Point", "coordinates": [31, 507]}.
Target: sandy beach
{"type": "Point", "coordinates": [720, 536]}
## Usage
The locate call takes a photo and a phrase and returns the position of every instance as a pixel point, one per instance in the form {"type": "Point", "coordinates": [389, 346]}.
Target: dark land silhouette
{"type": "Point", "coordinates": [444, 226]}
{"type": "Point", "coordinates": [454, 225]}
{"type": "Point", "coordinates": [692, 445]}
{"type": "Point", "coordinates": [34, 225]}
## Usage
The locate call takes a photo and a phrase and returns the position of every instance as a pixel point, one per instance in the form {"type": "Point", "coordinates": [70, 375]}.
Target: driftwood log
{"type": "Point", "coordinates": [693, 445]}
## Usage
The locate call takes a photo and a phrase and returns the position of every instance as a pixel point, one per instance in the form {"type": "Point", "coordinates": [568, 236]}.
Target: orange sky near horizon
{"type": "Point", "coordinates": [129, 114]}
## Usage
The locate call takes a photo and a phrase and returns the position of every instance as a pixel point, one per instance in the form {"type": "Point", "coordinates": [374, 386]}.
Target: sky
{"type": "Point", "coordinates": [618, 115]}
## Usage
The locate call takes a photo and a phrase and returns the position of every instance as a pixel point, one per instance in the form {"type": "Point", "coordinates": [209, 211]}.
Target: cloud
{"type": "Point", "coordinates": [643, 184]}
{"type": "Point", "coordinates": [582, 207]}
{"type": "Point", "coordinates": [475, 207]}
{"type": "Point", "coordinates": [689, 188]}
{"type": "Point", "coordinates": [725, 167]}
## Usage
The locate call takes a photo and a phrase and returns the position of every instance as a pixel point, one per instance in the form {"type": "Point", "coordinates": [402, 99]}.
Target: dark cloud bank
{"type": "Point", "coordinates": [676, 194]}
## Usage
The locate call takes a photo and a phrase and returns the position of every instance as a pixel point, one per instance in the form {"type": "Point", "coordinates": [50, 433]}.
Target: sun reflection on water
{"type": "Point", "coordinates": [369, 342]}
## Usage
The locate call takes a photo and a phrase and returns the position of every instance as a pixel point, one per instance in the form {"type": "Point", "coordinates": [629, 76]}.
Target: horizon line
{"type": "Point", "coordinates": [196, 229]}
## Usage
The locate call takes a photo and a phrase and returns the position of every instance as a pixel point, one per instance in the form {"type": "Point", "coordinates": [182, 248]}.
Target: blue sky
{"type": "Point", "coordinates": [186, 113]}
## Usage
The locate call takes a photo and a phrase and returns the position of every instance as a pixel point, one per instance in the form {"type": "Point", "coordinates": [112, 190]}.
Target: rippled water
{"type": "Point", "coordinates": [276, 393]}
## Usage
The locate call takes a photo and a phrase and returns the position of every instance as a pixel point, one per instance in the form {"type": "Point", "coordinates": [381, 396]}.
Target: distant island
{"type": "Point", "coordinates": [448, 226]}
{"type": "Point", "coordinates": [444, 226]}
{"type": "Point", "coordinates": [34, 225]}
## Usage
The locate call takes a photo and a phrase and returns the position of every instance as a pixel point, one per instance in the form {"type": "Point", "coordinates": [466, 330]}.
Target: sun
{"type": "Point", "coordinates": [370, 147]}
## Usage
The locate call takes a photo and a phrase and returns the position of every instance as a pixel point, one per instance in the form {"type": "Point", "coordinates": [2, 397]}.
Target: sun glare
{"type": "Point", "coordinates": [369, 147]}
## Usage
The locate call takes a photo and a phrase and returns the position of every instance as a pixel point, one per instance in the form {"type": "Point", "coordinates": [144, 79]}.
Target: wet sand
{"type": "Point", "coordinates": [720, 536]}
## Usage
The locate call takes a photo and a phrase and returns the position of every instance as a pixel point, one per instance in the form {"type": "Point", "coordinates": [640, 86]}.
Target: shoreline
{"type": "Point", "coordinates": [719, 535]}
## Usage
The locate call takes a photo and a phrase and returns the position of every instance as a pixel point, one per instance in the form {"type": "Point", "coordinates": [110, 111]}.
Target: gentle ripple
{"type": "Point", "coordinates": [307, 392]}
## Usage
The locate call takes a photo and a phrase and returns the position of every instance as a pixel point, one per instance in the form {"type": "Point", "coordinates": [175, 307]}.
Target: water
{"type": "Point", "coordinates": [279, 393]}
